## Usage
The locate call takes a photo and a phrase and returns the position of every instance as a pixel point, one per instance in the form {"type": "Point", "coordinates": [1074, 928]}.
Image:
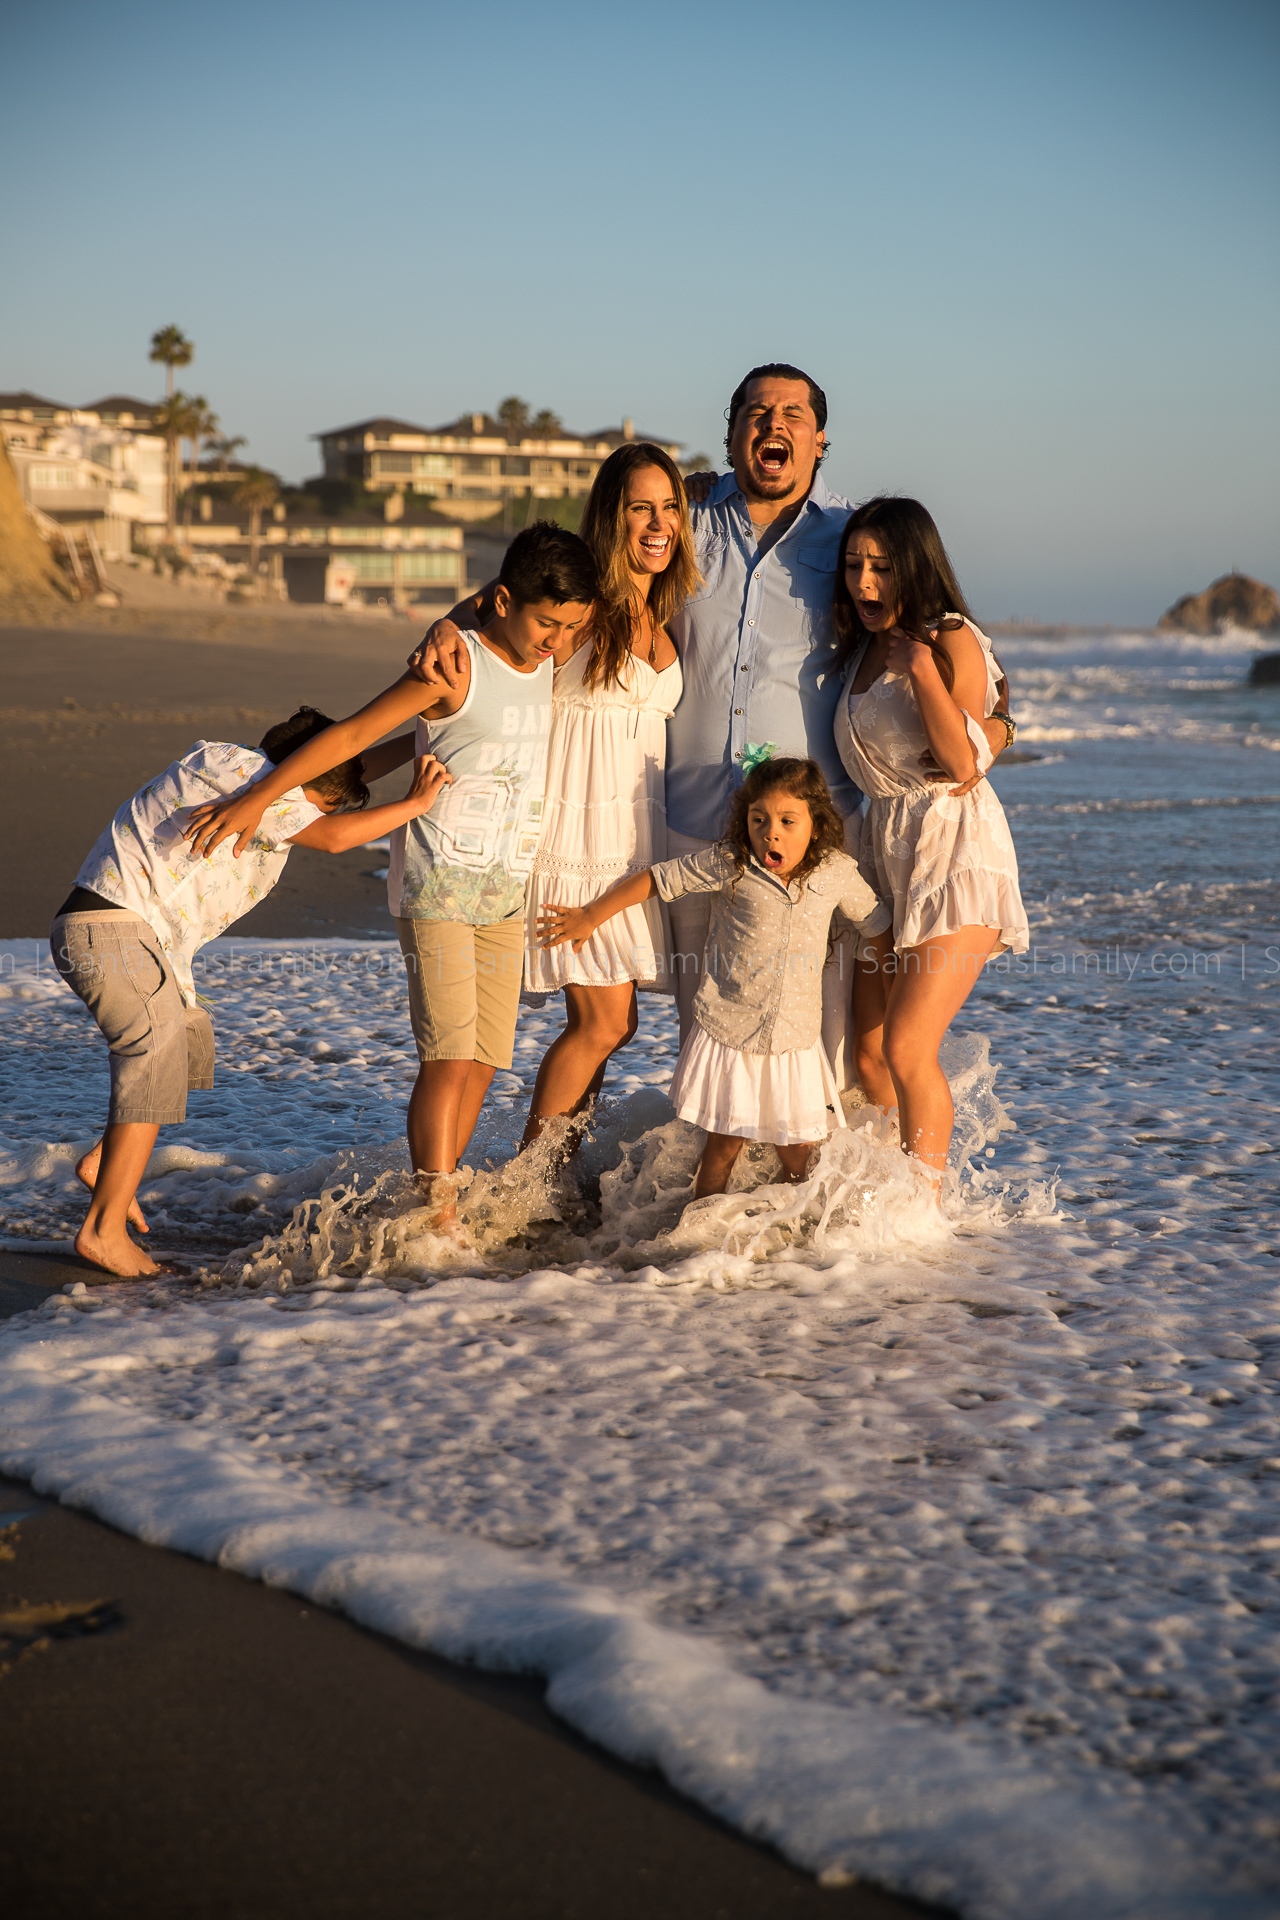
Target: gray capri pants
{"type": "Point", "coordinates": [160, 1047]}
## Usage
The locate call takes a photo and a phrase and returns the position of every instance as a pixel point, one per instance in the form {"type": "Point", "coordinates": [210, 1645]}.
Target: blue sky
{"type": "Point", "coordinates": [1030, 251]}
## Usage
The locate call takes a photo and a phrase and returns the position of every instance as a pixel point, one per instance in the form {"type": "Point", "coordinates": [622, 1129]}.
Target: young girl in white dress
{"type": "Point", "coordinates": [920, 678]}
{"type": "Point", "coordinates": [605, 811]}
{"type": "Point", "coordinates": [753, 1065]}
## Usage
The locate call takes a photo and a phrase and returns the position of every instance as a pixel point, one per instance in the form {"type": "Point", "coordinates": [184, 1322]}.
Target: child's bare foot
{"type": "Point", "coordinates": [87, 1170]}
{"type": "Point", "coordinates": [795, 1163]}
{"type": "Point", "coordinates": [114, 1254]}
{"type": "Point", "coordinates": [439, 1194]}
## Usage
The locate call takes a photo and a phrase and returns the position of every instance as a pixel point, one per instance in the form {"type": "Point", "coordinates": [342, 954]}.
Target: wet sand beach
{"type": "Point", "coordinates": [205, 1745]}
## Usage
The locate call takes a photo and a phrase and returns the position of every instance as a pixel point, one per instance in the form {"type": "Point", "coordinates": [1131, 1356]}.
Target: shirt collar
{"type": "Point", "coordinates": [727, 488]}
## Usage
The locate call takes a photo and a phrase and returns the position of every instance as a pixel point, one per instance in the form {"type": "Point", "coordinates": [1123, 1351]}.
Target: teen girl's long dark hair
{"type": "Point", "coordinates": [925, 588]}
{"type": "Point", "coordinates": [803, 780]}
{"type": "Point", "coordinates": [604, 528]}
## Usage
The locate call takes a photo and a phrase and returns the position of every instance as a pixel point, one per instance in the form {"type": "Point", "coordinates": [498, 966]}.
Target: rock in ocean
{"type": "Point", "coordinates": [1233, 601]}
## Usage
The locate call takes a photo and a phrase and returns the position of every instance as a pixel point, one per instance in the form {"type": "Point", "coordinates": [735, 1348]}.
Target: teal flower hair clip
{"type": "Point", "coordinates": [753, 757]}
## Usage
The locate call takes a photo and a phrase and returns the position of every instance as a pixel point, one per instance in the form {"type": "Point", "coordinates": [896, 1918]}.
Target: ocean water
{"type": "Point", "coordinates": [937, 1550]}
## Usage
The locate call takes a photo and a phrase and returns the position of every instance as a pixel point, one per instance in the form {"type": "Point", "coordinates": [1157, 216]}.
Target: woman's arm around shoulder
{"type": "Point", "coordinates": [856, 900]}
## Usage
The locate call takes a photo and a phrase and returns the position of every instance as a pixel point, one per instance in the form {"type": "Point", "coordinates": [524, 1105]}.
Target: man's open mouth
{"type": "Point", "coordinates": [773, 455]}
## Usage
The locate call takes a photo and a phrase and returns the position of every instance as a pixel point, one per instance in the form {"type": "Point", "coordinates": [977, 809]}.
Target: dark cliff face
{"type": "Point", "coordinates": [1233, 601]}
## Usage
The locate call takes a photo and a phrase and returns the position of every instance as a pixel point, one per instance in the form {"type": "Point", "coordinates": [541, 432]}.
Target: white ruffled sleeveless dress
{"type": "Point", "coordinates": [945, 863]}
{"type": "Point", "coordinates": [604, 817]}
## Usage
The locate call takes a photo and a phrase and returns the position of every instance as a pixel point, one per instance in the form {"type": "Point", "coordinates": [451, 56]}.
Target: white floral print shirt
{"type": "Point", "coordinates": [141, 861]}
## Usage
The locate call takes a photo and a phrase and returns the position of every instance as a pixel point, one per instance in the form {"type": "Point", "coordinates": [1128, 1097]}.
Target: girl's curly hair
{"type": "Point", "coordinates": [803, 780]}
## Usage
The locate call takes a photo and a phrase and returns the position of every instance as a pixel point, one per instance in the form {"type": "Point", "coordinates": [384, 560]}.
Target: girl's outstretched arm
{"type": "Point", "coordinates": [577, 924]}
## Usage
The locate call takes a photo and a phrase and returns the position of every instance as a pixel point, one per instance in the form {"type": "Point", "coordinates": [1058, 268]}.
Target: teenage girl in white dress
{"type": "Point", "coordinates": [920, 678]}
{"type": "Point", "coordinates": [605, 810]}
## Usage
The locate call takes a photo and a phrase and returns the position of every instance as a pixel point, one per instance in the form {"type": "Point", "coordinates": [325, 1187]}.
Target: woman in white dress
{"type": "Point", "coordinates": [920, 678]}
{"type": "Point", "coordinates": [605, 812]}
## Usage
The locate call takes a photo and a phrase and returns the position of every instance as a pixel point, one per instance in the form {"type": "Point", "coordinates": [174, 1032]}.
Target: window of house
{"type": "Point", "coordinates": [393, 463]}
{"type": "Point", "coordinates": [429, 566]}
{"type": "Point", "coordinates": [440, 464]}
{"type": "Point", "coordinates": [473, 463]}
{"type": "Point", "coordinates": [53, 476]}
{"type": "Point", "coordinates": [368, 566]}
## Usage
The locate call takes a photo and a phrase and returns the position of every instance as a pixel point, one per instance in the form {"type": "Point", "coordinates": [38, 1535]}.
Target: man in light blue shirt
{"type": "Point", "coordinates": [756, 643]}
{"type": "Point", "coordinates": [757, 651]}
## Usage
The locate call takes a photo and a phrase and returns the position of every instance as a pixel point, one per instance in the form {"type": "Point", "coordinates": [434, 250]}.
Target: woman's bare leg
{"type": "Point", "coordinates": [87, 1170]}
{"type": "Point", "coordinates": [103, 1240]}
{"type": "Point", "coordinates": [872, 980]}
{"type": "Point", "coordinates": [718, 1156]}
{"type": "Point", "coordinates": [932, 983]}
{"type": "Point", "coordinates": [598, 1021]}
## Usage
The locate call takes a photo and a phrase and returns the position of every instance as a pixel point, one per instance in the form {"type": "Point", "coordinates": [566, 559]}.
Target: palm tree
{"type": "Point", "coordinates": [171, 345]}
{"type": "Point", "coordinates": [201, 424]}
{"type": "Point", "coordinates": [226, 446]}
{"type": "Point", "coordinates": [256, 492]}
{"type": "Point", "coordinates": [545, 425]}
{"type": "Point", "coordinates": [173, 418]}
{"type": "Point", "coordinates": [513, 412]}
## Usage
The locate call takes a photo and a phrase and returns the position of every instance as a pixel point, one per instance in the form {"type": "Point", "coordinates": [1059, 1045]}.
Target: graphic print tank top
{"type": "Point", "coordinates": [469, 858]}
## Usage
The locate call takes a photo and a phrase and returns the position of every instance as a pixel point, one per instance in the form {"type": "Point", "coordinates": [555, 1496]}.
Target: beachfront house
{"type": "Point", "coordinates": [472, 467]}
{"type": "Point", "coordinates": [406, 556]}
{"type": "Point", "coordinates": [95, 470]}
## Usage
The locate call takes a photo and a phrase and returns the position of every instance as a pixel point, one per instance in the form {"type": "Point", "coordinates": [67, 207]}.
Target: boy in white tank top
{"type": "Point", "coordinates": [457, 890]}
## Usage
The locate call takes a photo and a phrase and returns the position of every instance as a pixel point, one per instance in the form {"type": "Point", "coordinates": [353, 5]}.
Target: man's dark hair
{"type": "Point", "coordinates": [546, 562]}
{"type": "Point", "coordinates": [777, 370]}
{"type": "Point", "coordinates": [343, 783]}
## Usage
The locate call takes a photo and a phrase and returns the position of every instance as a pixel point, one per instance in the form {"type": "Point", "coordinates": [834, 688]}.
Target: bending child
{"type": "Point", "coordinates": [753, 1066]}
{"type": "Point", "coordinates": [144, 903]}
{"type": "Point", "coordinates": [456, 883]}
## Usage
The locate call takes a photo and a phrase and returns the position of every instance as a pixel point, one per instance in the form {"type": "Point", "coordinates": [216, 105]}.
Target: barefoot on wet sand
{"type": "Point", "coordinates": [439, 1191]}
{"type": "Point", "coordinates": [114, 1255]}
{"type": "Point", "coordinates": [87, 1170]}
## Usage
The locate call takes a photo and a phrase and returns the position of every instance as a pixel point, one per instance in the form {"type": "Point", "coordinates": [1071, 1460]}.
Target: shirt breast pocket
{"type": "Point", "coordinates": [712, 553]}
{"type": "Point", "coordinates": [813, 575]}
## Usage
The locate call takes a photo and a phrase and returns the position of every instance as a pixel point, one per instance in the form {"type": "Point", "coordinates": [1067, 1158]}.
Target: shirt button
{"type": "Point", "coordinates": [751, 623]}
{"type": "Point", "coordinates": [738, 710]}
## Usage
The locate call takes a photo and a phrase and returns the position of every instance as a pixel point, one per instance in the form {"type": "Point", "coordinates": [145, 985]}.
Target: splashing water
{"type": "Point", "coordinates": [625, 1200]}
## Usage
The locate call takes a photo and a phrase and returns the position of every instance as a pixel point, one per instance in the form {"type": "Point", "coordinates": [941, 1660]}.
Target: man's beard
{"type": "Point", "coordinates": [771, 490]}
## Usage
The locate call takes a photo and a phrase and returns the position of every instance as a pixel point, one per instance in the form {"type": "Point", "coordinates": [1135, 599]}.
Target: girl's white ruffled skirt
{"type": "Point", "coordinates": [784, 1098]}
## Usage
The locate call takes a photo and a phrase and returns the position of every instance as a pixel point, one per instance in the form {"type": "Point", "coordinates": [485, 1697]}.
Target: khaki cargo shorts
{"type": "Point", "coordinates": [464, 987]}
{"type": "Point", "coordinates": [159, 1046]}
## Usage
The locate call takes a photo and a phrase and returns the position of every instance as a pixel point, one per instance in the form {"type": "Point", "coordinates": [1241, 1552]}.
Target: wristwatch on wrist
{"type": "Point", "coordinates": [1008, 723]}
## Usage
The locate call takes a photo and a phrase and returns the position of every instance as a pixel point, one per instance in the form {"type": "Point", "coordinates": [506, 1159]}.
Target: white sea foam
{"type": "Point", "coordinates": [939, 1550]}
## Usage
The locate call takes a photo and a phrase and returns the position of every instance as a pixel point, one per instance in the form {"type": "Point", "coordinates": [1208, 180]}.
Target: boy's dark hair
{"type": "Point", "coordinates": [803, 780]}
{"type": "Point", "coordinates": [925, 588]}
{"type": "Point", "coordinates": [777, 370]}
{"type": "Point", "coordinates": [546, 562]}
{"type": "Point", "coordinates": [343, 783]}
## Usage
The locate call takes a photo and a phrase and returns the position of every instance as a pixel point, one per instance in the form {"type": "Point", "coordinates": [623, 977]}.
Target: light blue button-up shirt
{"type": "Point", "coordinates": [758, 654]}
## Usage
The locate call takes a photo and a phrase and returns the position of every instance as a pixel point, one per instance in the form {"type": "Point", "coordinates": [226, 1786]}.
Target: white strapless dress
{"type": "Point", "coordinates": [944, 863]}
{"type": "Point", "coordinates": [604, 817]}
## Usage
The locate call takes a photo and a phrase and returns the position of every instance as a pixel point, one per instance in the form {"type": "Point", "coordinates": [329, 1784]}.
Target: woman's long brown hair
{"type": "Point", "coordinates": [604, 528]}
{"type": "Point", "coordinates": [925, 587]}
